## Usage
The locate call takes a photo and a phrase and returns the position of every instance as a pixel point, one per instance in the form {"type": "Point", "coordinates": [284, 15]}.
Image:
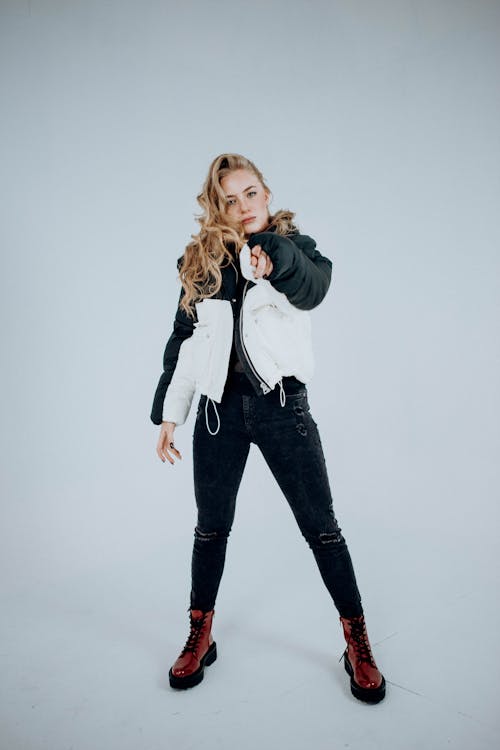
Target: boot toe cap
{"type": "Point", "coordinates": [185, 666]}
{"type": "Point", "coordinates": [371, 680]}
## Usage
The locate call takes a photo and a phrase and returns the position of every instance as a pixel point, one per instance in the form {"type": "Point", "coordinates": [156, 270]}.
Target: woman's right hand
{"type": "Point", "coordinates": [165, 446]}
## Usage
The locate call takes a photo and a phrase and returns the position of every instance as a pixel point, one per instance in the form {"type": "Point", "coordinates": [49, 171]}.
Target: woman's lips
{"type": "Point", "coordinates": [250, 218]}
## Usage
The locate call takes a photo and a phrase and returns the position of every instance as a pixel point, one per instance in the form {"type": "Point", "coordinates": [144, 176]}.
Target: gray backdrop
{"type": "Point", "coordinates": [378, 123]}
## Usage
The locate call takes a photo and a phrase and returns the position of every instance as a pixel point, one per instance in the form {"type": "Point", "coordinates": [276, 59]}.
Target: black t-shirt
{"type": "Point", "coordinates": [234, 362]}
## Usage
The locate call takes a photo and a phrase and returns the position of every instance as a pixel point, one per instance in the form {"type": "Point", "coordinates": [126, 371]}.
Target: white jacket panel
{"type": "Point", "coordinates": [203, 360]}
{"type": "Point", "coordinates": [215, 326]}
{"type": "Point", "coordinates": [276, 335]}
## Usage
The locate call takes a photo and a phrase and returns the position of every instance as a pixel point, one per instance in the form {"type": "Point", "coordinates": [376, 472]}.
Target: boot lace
{"type": "Point", "coordinates": [359, 639]}
{"type": "Point", "coordinates": [194, 635]}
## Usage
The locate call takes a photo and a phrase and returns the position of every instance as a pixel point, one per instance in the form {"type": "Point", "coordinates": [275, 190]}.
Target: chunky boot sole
{"type": "Point", "coordinates": [367, 695]}
{"type": "Point", "coordinates": [181, 683]}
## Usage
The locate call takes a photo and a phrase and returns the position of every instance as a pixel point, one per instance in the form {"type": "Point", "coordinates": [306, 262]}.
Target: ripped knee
{"type": "Point", "coordinates": [209, 536]}
{"type": "Point", "coordinates": [326, 540]}
{"type": "Point", "coordinates": [331, 537]}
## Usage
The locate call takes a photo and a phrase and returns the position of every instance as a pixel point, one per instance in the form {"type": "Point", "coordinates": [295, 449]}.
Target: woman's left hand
{"type": "Point", "coordinates": [261, 261]}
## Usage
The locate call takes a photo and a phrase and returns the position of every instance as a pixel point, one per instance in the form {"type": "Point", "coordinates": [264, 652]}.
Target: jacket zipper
{"type": "Point", "coordinates": [263, 385]}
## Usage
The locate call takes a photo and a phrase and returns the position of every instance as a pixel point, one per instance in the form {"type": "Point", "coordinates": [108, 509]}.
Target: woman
{"type": "Point", "coordinates": [242, 337]}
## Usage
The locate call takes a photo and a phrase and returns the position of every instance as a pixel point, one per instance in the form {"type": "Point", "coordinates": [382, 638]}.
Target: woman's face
{"type": "Point", "coordinates": [246, 200]}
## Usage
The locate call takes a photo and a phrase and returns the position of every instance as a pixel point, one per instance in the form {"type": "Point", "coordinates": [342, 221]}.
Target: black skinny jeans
{"type": "Point", "coordinates": [289, 441]}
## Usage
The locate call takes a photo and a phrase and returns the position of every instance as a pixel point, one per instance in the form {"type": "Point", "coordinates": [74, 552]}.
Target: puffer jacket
{"type": "Point", "coordinates": [271, 328]}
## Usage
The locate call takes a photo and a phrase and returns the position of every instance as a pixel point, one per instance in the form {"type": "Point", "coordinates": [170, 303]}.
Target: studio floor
{"type": "Point", "coordinates": [85, 667]}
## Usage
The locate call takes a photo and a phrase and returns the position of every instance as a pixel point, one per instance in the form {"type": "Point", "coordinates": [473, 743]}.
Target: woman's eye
{"type": "Point", "coordinates": [252, 193]}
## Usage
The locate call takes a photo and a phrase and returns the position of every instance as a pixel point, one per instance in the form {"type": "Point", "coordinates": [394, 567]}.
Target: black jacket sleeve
{"type": "Point", "coordinates": [299, 270]}
{"type": "Point", "coordinates": [183, 329]}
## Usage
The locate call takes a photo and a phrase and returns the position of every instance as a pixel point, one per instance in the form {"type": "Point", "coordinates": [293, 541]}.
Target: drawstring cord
{"type": "Point", "coordinates": [206, 416]}
{"type": "Point", "coordinates": [282, 392]}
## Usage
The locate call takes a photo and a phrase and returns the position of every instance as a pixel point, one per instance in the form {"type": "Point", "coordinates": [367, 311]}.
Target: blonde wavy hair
{"type": "Point", "coordinates": [210, 249]}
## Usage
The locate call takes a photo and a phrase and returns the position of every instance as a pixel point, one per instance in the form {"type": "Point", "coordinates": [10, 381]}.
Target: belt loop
{"type": "Point", "coordinates": [206, 416]}
{"type": "Point", "coordinates": [282, 392]}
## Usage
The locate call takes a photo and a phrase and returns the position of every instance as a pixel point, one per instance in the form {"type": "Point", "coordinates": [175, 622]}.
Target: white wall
{"type": "Point", "coordinates": [378, 123]}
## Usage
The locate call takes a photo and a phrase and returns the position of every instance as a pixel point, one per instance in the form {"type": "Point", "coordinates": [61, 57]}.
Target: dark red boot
{"type": "Point", "coordinates": [200, 651]}
{"type": "Point", "coordinates": [367, 683]}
